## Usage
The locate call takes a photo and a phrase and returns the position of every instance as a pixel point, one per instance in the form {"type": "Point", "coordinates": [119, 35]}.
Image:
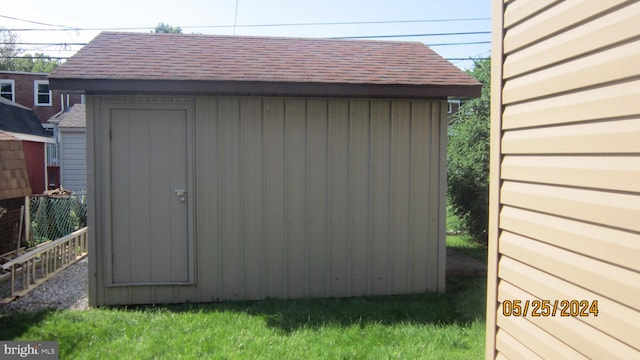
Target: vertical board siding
{"type": "Point", "coordinates": [565, 177]}
{"type": "Point", "coordinates": [274, 198]}
{"type": "Point", "coordinates": [300, 198]}
{"type": "Point", "coordinates": [330, 197]}
{"type": "Point", "coordinates": [206, 134]}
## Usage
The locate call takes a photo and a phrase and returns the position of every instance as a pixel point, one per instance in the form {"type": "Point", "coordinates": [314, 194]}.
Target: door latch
{"type": "Point", "coordinates": [181, 194]}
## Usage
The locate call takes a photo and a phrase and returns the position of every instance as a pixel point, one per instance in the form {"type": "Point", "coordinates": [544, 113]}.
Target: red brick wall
{"type": "Point", "coordinates": [24, 94]}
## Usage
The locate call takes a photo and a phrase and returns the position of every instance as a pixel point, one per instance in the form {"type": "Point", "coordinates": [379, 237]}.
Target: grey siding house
{"type": "Point", "coordinates": [226, 168]}
{"type": "Point", "coordinates": [73, 153]}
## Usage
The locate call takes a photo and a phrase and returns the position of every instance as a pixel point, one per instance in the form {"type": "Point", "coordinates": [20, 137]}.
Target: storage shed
{"type": "Point", "coordinates": [22, 123]}
{"type": "Point", "coordinates": [229, 167]}
{"type": "Point", "coordinates": [14, 188]}
{"type": "Point", "coordinates": [564, 235]}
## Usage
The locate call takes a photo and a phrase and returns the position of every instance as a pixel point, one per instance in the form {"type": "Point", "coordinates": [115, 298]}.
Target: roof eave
{"type": "Point", "coordinates": [112, 86]}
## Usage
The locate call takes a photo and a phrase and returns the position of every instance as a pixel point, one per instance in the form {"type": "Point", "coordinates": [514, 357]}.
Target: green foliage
{"type": "Point", "coordinates": [8, 50]}
{"type": "Point", "coordinates": [468, 156]}
{"type": "Point", "coordinates": [37, 63]}
{"type": "Point", "coordinates": [167, 29]}
{"type": "Point", "coordinates": [424, 326]}
{"type": "Point", "coordinates": [13, 58]}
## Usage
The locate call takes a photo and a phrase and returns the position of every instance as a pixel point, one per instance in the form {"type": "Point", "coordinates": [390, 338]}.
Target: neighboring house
{"type": "Point", "coordinates": [229, 167]}
{"type": "Point", "coordinates": [14, 187]}
{"type": "Point", "coordinates": [31, 90]}
{"type": "Point", "coordinates": [72, 152]}
{"type": "Point", "coordinates": [22, 123]}
{"type": "Point", "coordinates": [565, 181]}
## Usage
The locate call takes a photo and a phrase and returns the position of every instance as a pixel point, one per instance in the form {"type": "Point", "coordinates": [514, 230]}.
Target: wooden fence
{"type": "Point", "coordinates": [41, 263]}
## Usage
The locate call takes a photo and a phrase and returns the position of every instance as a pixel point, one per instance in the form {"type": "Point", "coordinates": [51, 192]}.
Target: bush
{"type": "Point", "coordinates": [468, 156]}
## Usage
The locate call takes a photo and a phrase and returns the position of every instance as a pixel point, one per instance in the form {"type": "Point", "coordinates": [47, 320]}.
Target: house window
{"type": "Point", "coordinates": [454, 106]}
{"type": "Point", "coordinates": [41, 93]}
{"type": "Point", "coordinates": [7, 89]}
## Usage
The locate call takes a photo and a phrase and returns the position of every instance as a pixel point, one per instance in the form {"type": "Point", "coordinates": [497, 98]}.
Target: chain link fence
{"type": "Point", "coordinates": [57, 215]}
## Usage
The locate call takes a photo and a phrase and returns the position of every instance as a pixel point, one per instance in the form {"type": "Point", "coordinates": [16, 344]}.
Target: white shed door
{"type": "Point", "coordinates": [149, 196]}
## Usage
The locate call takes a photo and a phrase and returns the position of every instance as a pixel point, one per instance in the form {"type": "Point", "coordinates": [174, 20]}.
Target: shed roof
{"type": "Point", "coordinates": [14, 180]}
{"type": "Point", "coordinates": [18, 119]}
{"type": "Point", "coordinates": [74, 117]}
{"type": "Point", "coordinates": [174, 63]}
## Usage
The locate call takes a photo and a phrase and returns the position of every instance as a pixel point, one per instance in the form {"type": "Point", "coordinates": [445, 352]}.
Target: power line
{"type": "Point", "coordinates": [411, 35]}
{"type": "Point", "coordinates": [36, 44]}
{"type": "Point", "coordinates": [253, 25]}
{"type": "Point", "coordinates": [83, 44]}
{"type": "Point", "coordinates": [39, 23]}
{"type": "Point", "coordinates": [68, 57]}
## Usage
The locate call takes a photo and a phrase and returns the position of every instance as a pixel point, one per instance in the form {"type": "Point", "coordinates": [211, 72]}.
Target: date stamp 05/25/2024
{"type": "Point", "coordinates": [546, 308]}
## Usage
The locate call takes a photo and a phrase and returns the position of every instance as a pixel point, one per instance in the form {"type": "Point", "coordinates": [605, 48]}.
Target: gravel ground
{"type": "Point", "coordinates": [66, 290]}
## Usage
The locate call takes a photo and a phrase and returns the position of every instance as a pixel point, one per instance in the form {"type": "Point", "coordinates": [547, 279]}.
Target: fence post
{"type": "Point", "coordinates": [27, 219]}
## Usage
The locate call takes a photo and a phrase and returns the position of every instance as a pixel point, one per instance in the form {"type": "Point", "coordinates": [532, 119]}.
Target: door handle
{"type": "Point", "coordinates": [181, 194]}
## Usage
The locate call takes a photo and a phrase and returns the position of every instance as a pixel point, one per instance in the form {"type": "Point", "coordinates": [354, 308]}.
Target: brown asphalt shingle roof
{"type": "Point", "coordinates": [180, 57]}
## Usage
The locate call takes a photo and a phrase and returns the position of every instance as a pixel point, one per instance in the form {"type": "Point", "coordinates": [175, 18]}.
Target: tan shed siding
{"type": "Point", "coordinates": [318, 197]}
{"type": "Point", "coordinates": [566, 177]}
{"type": "Point", "coordinates": [302, 198]}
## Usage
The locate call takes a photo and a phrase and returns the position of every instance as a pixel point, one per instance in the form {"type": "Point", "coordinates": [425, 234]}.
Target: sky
{"type": "Point", "coordinates": [75, 20]}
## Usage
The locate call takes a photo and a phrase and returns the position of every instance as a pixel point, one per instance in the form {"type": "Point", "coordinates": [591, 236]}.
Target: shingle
{"type": "Point", "coordinates": [74, 118]}
{"type": "Point", "coordinates": [139, 56]}
{"type": "Point", "coordinates": [14, 180]}
{"type": "Point", "coordinates": [19, 119]}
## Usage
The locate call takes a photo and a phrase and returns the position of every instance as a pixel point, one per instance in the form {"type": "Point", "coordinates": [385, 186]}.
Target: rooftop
{"type": "Point", "coordinates": [134, 62]}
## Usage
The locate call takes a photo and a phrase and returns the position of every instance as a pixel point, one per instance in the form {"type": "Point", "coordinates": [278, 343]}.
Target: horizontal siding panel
{"type": "Point", "coordinates": [618, 100]}
{"type": "Point", "coordinates": [610, 65]}
{"type": "Point", "coordinates": [614, 246]}
{"type": "Point", "coordinates": [606, 279]}
{"type": "Point", "coordinates": [577, 334]}
{"type": "Point", "coordinates": [557, 18]}
{"type": "Point", "coordinates": [517, 11]}
{"type": "Point", "coordinates": [542, 343]}
{"type": "Point", "coordinates": [601, 172]}
{"type": "Point", "coordinates": [612, 209]}
{"type": "Point", "coordinates": [604, 137]}
{"type": "Point", "coordinates": [614, 319]}
{"type": "Point", "coordinates": [512, 348]}
{"type": "Point", "coordinates": [612, 28]}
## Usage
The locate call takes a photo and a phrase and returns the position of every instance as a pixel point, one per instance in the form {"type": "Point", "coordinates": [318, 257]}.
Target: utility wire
{"type": "Point", "coordinates": [411, 35]}
{"type": "Point", "coordinates": [39, 23]}
{"type": "Point", "coordinates": [470, 58]}
{"type": "Point", "coordinates": [250, 25]}
{"type": "Point", "coordinates": [83, 44]}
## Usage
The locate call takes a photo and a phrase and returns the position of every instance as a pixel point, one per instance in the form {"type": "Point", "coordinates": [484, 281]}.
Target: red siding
{"type": "Point", "coordinates": [34, 157]}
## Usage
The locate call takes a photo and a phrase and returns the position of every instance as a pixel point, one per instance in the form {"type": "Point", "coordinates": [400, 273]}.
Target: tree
{"type": "Point", "coordinates": [468, 156]}
{"type": "Point", "coordinates": [12, 58]}
{"type": "Point", "coordinates": [167, 29]}
{"type": "Point", "coordinates": [37, 63]}
{"type": "Point", "coordinates": [8, 50]}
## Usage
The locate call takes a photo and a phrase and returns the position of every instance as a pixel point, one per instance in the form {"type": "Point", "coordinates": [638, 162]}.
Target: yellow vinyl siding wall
{"type": "Point", "coordinates": [299, 197]}
{"type": "Point", "coordinates": [565, 183]}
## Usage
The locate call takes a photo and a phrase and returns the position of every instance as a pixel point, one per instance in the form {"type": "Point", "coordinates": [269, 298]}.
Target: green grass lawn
{"type": "Point", "coordinates": [461, 241]}
{"type": "Point", "coordinates": [426, 326]}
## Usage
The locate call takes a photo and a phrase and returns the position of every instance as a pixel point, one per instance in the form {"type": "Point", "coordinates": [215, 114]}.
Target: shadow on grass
{"type": "Point", "coordinates": [463, 303]}
{"type": "Point", "coordinates": [12, 326]}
